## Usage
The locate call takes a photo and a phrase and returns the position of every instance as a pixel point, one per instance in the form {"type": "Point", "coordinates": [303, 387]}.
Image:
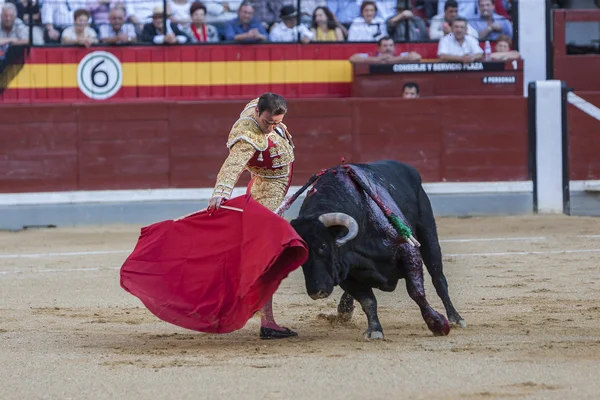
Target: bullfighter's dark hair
{"type": "Point", "coordinates": [273, 103]}
{"type": "Point", "coordinates": [411, 85]}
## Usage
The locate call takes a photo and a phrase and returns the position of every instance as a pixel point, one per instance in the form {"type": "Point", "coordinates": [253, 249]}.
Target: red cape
{"type": "Point", "coordinates": [212, 273]}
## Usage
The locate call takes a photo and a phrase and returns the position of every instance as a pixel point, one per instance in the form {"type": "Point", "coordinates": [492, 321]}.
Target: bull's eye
{"type": "Point", "coordinates": [322, 248]}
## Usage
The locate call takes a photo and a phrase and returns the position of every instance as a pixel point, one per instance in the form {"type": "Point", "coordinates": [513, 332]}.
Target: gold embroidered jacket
{"type": "Point", "coordinates": [263, 155]}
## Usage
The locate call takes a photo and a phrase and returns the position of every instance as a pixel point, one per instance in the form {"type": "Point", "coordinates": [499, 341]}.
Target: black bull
{"type": "Point", "coordinates": [353, 245]}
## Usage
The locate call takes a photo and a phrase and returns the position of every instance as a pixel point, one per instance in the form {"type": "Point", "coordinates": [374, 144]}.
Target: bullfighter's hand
{"type": "Point", "coordinates": [214, 203]}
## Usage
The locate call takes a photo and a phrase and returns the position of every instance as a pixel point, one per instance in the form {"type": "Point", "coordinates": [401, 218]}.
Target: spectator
{"type": "Point", "coordinates": [307, 10]}
{"type": "Point", "coordinates": [397, 25]}
{"type": "Point", "coordinates": [180, 10]}
{"type": "Point", "coordinates": [117, 31]}
{"type": "Point", "coordinates": [57, 15]}
{"type": "Point", "coordinates": [325, 27]}
{"type": "Point", "coordinates": [268, 11]}
{"type": "Point", "coordinates": [221, 11]}
{"type": "Point", "coordinates": [440, 24]}
{"type": "Point", "coordinates": [23, 15]}
{"type": "Point", "coordinates": [410, 90]}
{"type": "Point", "coordinates": [288, 29]}
{"type": "Point", "coordinates": [243, 28]}
{"type": "Point", "coordinates": [139, 12]}
{"type": "Point", "coordinates": [368, 27]}
{"type": "Point", "coordinates": [386, 54]}
{"type": "Point", "coordinates": [12, 29]}
{"type": "Point", "coordinates": [199, 31]}
{"type": "Point", "coordinates": [80, 33]}
{"type": "Point", "coordinates": [458, 46]}
{"type": "Point", "coordinates": [466, 8]}
{"type": "Point", "coordinates": [489, 24]}
{"type": "Point", "coordinates": [99, 10]}
{"type": "Point", "coordinates": [346, 11]}
{"type": "Point", "coordinates": [503, 51]}
{"type": "Point", "coordinates": [154, 32]}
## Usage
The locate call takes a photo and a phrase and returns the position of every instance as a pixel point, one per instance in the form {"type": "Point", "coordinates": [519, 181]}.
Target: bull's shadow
{"type": "Point", "coordinates": [347, 221]}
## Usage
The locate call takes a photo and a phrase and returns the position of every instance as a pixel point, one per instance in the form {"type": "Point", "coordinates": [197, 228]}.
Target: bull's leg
{"type": "Point", "coordinates": [365, 296]}
{"type": "Point", "coordinates": [413, 267]}
{"type": "Point", "coordinates": [345, 307]}
{"type": "Point", "coordinates": [432, 257]}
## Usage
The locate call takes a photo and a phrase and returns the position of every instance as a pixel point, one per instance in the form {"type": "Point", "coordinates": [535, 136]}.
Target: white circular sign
{"type": "Point", "coordinates": [99, 75]}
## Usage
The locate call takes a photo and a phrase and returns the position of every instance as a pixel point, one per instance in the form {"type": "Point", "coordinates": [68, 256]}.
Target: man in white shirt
{"type": "Point", "coordinates": [458, 46]}
{"type": "Point", "coordinates": [440, 24]}
{"type": "Point", "coordinates": [288, 29]}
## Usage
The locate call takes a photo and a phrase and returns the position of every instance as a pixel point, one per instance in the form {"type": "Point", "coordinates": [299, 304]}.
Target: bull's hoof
{"type": "Point", "coordinates": [373, 335]}
{"type": "Point", "coordinates": [439, 325]}
{"type": "Point", "coordinates": [462, 323]}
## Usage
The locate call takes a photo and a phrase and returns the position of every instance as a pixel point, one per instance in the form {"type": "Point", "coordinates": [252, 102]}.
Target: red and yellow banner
{"type": "Point", "coordinates": [187, 72]}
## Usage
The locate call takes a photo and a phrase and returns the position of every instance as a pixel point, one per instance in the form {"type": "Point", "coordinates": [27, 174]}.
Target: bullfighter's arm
{"type": "Point", "coordinates": [239, 155]}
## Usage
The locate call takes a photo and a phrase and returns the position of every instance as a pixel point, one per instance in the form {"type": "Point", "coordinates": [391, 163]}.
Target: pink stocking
{"type": "Point", "coordinates": [266, 316]}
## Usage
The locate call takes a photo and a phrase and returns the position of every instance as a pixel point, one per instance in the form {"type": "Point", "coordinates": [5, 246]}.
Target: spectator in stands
{"type": "Point", "coordinates": [180, 12]}
{"type": "Point", "coordinates": [139, 12]}
{"type": "Point", "coordinates": [489, 24]}
{"type": "Point", "coordinates": [458, 46]}
{"type": "Point", "coordinates": [386, 54]}
{"type": "Point", "coordinates": [154, 32]}
{"type": "Point", "coordinates": [244, 28]}
{"type": "Point", "coordinates": [23, 15]}
{"type": "Point", "coordinates": [440, 24]}
{"type": "Point", "coordinates": [288, 29]}
{"type": "Point", "coordinates": [221, 11]}
{"type": "Point", "coordinates": [12, 29]}
{"type": "Point", "coordinates": [403, 20]}
{"type": "Point", "coordinates": [99, 9]}
{"type": "Point", "coordinates": [80, 33]}
{"type": "Point", "coordinates": [503, 51]}
{"type": "Point", "coordinates": [466, 8]}
{"type": "Point", "coordinates": [308, 8]}
{"type": "Point", "coordinates": [325, 27]}
{"type": "Point", "coordinates": [23, 11]}
{"type": "Point", "coordinates": [58, 15]}
{"type": "Point", "coordinates": [410, 90]}
{"type": "Point", "coordinates": [199, 31]}
{"type": "Point", "coordinates": [346, 11]}
{"type": "Point", "coordinates": [368, 27]}
{"type": "Point", "coordinates": [117, 31]}
{"type": "Point", "coordinates": [268, 11]}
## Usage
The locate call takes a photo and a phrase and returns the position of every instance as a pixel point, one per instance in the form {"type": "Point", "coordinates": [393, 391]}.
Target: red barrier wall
{"type": "Point", "coordinates": [584, 141]}
{"type": "Point", "coordinates": [160, 145]}
{"type": "Point", "coordinates": [579, 71]}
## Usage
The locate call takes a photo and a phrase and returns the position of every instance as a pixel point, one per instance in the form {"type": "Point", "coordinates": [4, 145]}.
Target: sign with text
{"type": "Point", "coordinates": [435, 67]}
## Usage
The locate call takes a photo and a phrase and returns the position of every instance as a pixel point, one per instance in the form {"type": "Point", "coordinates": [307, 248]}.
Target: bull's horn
{"type": "Point", "coordinates": [338, 218]}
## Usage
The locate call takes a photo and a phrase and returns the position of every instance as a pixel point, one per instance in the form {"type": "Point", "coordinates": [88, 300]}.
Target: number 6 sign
{"type": "Point", "coordinates": [99, 75]}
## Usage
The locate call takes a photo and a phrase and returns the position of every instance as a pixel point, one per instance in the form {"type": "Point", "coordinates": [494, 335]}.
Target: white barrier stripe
{"type": "Point", "coordinates": [500, 239]}
{"type": "Point", "coordinates": [200, 194]}
{"type": "Point", "coordinates": [584, 105]}
{"type": "Point", "coordinates": [511, 253]}
{"type": "Point", "coordinates": [103, 252]}
{"type": "Point", "coordinates": [523, 253]}
{"type": "Point", "coordinates": [75, 253]}
{"type": "Point", "coordinates": [19, 271]}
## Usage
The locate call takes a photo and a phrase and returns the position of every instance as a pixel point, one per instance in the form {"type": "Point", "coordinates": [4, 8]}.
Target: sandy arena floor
{"type": "Point", "coordinates": [529, 289]}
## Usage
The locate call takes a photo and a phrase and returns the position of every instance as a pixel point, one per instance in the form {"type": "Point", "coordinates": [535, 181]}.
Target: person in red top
{"type": "Point", "coordinates": [386, 54]}
{"type": "Point", "coordinates": [198, 31]}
